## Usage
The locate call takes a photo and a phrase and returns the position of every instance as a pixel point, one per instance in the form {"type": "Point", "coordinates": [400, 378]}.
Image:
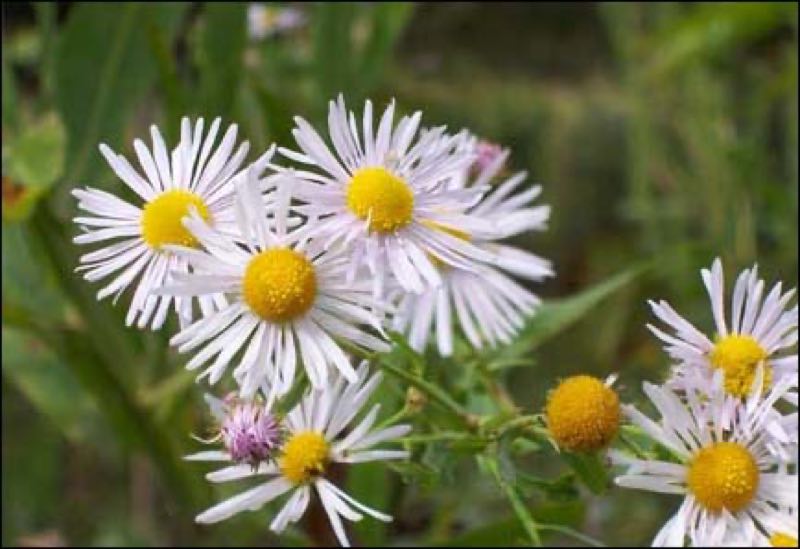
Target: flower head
{"type": "Point", "coordinates": [383, 196]}
{"type": "Point", "coordinates": [138, 238]}
{"type": "Point", "coordinates": [731, 483]}
{"type": "Point", "coordinates": [583, 413]}
{"type": "Point", "coordinates": [288, 298]}
{"type": "Point", "coordinates": [251, 434]}
{"type": "Point", "coordinates": [488, 305]}
{"type": "Point", "coordinates": [315, 440]}
{"type": "Point", "coordinates": [758, 332]}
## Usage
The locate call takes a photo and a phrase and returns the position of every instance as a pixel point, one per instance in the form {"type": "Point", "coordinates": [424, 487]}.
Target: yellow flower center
{"type": "Point", "coordinates": [385, 199]}
{"type": "Point", "coordinates": [738, 357]}
{"type": "Point", "coordinates": [162, 219]}
{"type": "Point", "coordinates": [582, 414]}
{"type": "Point", "coordinates": [723, 476]}
{"type": "Point", "coordinates": [279, 284]}
{"type": "Point", "coordinates": [462, 235]}
{"type": "Point", "coordinates": [305, 456]}
{"type": "Point", "coordinates": [779, 539]}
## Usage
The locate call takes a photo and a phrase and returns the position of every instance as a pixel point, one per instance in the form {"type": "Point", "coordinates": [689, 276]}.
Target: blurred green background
{"type": "Point", "coordinates": [663, 132]}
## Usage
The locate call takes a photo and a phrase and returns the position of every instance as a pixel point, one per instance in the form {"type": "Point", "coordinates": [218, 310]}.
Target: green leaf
{"type": "Point", "coordinates": [285, 404]}
{"type": "Point", "coordinates": [103, 68]}
{"type": "Point", "coordinates": [49, 385]}
{"type": "Point", "coordinates": [713, 31]}
{"type": "Point", "coordinates": [333, 48]}
{"type": "Point", "coordinates": [36, 156]}
{"type": "Point", "coordinates": [369, 484]}
{"type": "Point", "coordinates": [418, 474]}
{"type": "Point", "coordinates": [46, 19]}
{"type": "Point", "coordinates": [220, 55]}
{"type": "Point", "coordinates": [555, 316]}
{"type": "Point", "coordinates": [10, 96]}
{"type": "Point", "coordinates": [388, 21]}
{"type": "Point", "coordinates": [168, 82]}
{"type": "Point", "coordinates": [276, 111]}
{"type": "Point", "coordinates": [551, 517]}
{"type": "Point", "coordinates": [22, 270]}
{"type": "Point", "coordinates": [560, 489]}
{"type": "Point", "coordinates": [590, 468]}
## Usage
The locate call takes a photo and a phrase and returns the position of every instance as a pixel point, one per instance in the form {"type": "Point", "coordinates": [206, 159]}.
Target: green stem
{"type": "Point", "coordinates": [437, 394]}
{"type": "Point", "coordinates": [104, 360]}
{"type": "Point", "coordinates": [527, 422]}
{"type": "Point", "coordinates": [435, 437]}
{"type": "Point", "coordinates": [401, 414]}
{"type": "Point", "coordinates": [572, 533]}
{"type": "Point", "coordinates": [525, 518]}
{"type": "Point", "coordinates": [433, 391]}
{"type": "Point", "coordinates": [496, 391]}
{"type": "Point", "coordinates": [113, 345]}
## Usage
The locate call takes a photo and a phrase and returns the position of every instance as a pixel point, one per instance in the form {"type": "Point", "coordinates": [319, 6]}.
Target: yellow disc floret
{"type": "Point", "coordinates": [384, 198]}
{"type": "Point", "coordinates": [582, 414]}
{"type": "Point", "coordinates": [304, 457]}
{"type": "Point", "coordinates": [723, 476]}
{"type": "Point", "coordinates": [779, 539]}
{"type": "Point", "coordinates": [279, 284]}
{"type": "Point", "coordinates": [738, 357]}
{"type": "Point", "coordinates": [162, 219]}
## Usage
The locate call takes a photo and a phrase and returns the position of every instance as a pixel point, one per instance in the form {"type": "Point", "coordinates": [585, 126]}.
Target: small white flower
{"type": "Point", "coordinates": [192, 176]}
{"type": "Point", "coordinates": [731, 484]}
{"type": "Point", "coordinates": [490, 306]}
{"type": "Point", "coordinates": [264, 21]}
{"type": "Point", "coordinates": [760, 331]}
{"type": "Point", "coordinates": [287, 296]}
{"type": "Point", "coordinates": [315, 440]}
{"type": "Point", "coordinates": [383, 196]}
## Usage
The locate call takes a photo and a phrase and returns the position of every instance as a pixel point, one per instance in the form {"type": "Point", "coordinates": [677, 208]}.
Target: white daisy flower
{"type": "Point", "coordinates": [729, 480]}
{"type": "Point", "coordinates": [760, 331]}
{"type": "Point", "coordinates": [782, 532]}
{"type": "Point", "coordinates": [383, 197]}
{"type": "Point", "coordinates": [315, 440]}
{"type": "Point", "coordinates": [288, 299]}
{"type": "Point", "coordinates": [489, 306]}
{"type": "Point", "coordinates": [192, 176]}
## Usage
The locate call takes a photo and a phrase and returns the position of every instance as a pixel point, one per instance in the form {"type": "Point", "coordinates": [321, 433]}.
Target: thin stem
{"type": "Point", "coordinates": [437, 394]}
{"type": "Point", "coordinates": [401, 414]}
{"type": "Point", "coordinates": [490, 462]}
{"type": "Point", "coordinates": [572, 533]}
{"type": "Point", "coordinates": [433, 391]}
{"type": "Point", "coordinates": [435, 437]}
{"type": "Point", "coordinates": [496, 391]}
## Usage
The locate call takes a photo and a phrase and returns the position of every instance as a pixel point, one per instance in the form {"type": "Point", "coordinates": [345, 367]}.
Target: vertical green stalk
{"type": "Point", "coordinates": [525, 518]}
{"type": "Point", "coordinates": [92, 352]}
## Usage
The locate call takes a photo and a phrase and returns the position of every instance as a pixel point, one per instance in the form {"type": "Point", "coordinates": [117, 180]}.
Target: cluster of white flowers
{"type": "Point", "coordinates": [273, 264]}
{"type": "Point", "coordinates": [728, 421]}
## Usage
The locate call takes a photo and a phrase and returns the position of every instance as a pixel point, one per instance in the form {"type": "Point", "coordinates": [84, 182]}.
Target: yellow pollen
{"type": "Point", "coordinates": [582, 414]}
{"type": "Point", "coordinates": [723, 476]}
{"type": "Point", "coordinates": [738, 357]}
{"type": "Point", "coordinates": [279, 284]}
{"type": "Point", "coordinates": [461, 235]}
{"type": "Point", "coordinates": [305, 456]}
{"type": "Point", "coordinates": [779, 539]}
{"type": "Point", "coordinates": [385, 199]}
{"type": "Point", "coordinates": [162, 219]}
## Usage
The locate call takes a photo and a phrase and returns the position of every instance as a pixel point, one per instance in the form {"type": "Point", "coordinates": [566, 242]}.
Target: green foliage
{"type": "Point", "coordinates": [44, 139]}
{"type": "Point", "coordinates": [591, 469]}
{"type": "Point", "coordinates": [665, 131]}
{"type": "Point", "coordinates": [103, 68]}
{"type": "Point", "coordinates": [49, 386]}
{"type": "Point", "coordinates": [220, 55]}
